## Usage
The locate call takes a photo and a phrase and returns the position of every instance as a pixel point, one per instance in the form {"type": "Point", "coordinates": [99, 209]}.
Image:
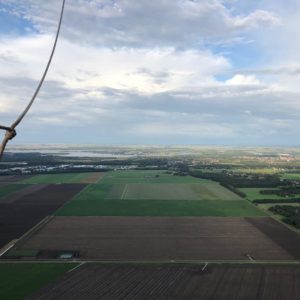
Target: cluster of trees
{"type": "Point", "coordinates": [285, 191]}
{"type": "Point", "coordinates": [286, 200]}
{"type": "Point", "coordinates": [291, 214]}
{"type": "Point", "coordinates": [238, 180]}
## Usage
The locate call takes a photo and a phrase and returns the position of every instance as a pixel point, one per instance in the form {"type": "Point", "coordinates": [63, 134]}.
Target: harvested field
{"type": "Point", "coordinates": [92, 177]}
{"type": "Point", "coordinates": [163, 238]}
{"type": "Point", "coordinates": [18, 217]}
{"type": "Point", "coordinates": [93, 281]}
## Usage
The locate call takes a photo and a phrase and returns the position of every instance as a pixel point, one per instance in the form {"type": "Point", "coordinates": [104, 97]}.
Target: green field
{"type": "Point", "coordinates": [126, 193]}
{"type": "Point", "coordinates": [230, 208]}
{"type": "Point", "coordinates": [10, 189]}
{"type": "Point", "coordinates": [204, 190]}
{"type": "Point", "coordinates": [254, 194]}
{"type": "Point", "coordinates": [57, 178]}
{"type": "Point", "coordinates": [208, 190]}
{"type": "Point", "coordinates": [291, 176]}
{"type": "Point", "coordinates": [137, 176]}
{"type": "Point", "coordinates": [19, 280]}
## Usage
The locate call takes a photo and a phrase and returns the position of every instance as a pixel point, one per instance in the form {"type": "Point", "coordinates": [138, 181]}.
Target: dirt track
{"type": "Point", "coordinates": [162, 238]}
{"type": "Point", "coordinates": [170, 282]}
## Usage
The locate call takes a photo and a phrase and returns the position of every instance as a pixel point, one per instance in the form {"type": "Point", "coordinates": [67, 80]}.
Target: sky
{"type": "Point", "coordinates": [212, 72]}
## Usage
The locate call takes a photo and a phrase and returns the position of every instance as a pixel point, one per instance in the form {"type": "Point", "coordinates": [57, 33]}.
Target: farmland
{"type": "Point", "coordinates": [137, 176]}
{"type": "Point", "coordinates": [291, 176]}
{"type": "Point", "coordinates": [168, 238]}
{"type": "Point", "coordinates": [63, 178]}
{"type": "Point", "coordinates": [18, 216]}
{"type": "Point", "coordinates": [19, 280]}
{"type": "Point", "coordinates": [254, 194]}
{"type": "Point", "coordinates": [198, 191]}
{"type": "Point", "coordinates": [96, 281]}
{"type": "Point", "coordinates": [114, 196]}
{"type": "Point", "coordinates": [147, 216]}
{"type": "Point", "coordinates": [10, 189]}
{"type": "Point", "coordinates": [159, 208]}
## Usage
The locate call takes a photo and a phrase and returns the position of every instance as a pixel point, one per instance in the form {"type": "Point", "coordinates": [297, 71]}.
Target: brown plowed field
{"type": "Point", "coordinates": [163, 238]}
{"type": "Point", "coordinates": [92, 281]}
{"type": "Point", "coordinates": [278, 233]}
{"type": "Point", "coordinates": [19, 216]}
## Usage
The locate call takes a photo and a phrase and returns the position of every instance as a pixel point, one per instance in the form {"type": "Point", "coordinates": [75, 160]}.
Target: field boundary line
{"type": "Point", "coordinates": [206, 264]}
{"type": "Point", "coordinates": [76, 267]}
{"type": "Point", "coordinates": [54, 214]}
{"type": "Point", "coordinates": [124, 192]}
{"type": "Point", "coordinates": [101, 177]}
{"type": "Point", "coordinates": [7, 247]}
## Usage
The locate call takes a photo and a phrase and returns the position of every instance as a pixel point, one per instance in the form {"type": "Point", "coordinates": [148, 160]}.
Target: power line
{"type": "Point", "coordinates": [11, 131]}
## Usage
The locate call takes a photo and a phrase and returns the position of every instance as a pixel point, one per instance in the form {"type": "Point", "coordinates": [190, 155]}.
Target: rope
{"type": "Point", "coordinates": [10, 131]}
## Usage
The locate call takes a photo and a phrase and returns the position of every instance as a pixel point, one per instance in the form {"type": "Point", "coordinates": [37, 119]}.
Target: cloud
{"type": "Point", "coordinates": [148, 70]}
{"type": "Point", "coordinates": [143, 23]}
{"type": "Point", "coordinates": [240, 79]}
{"type": "Point", "coordinates": [152, 72]}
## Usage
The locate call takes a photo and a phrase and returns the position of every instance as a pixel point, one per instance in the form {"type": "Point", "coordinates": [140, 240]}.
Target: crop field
{"type": "Point", "coordinates": [18, 216]}
{"type": "Point", "coordinates": [254, 194]}
{"type": "Point", "coordinates": [292, 176]}
{"type": "Point", "coordinates": [168, 238]}
{"type": "Point", "coordinates": [94, 281]}
{"type": "Point", "coordinates": [137, 176]}
{"type": "Point", "coordinates": [10, 189]}
{"type": "Point", "coordinates": [201, 191]}
{"type": "Point", "coordinates": [19, 280]}
{"type": "Point", "coordinates": [207, 190]}
{"type": "Point", "coordinates": [234, 208]}
{"type": "Point", "coordinates": [205, 198]}
{"type": "Point", "coordinates": [92, 177]}
{"type": "Point", "coordinates": [63, 178]}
